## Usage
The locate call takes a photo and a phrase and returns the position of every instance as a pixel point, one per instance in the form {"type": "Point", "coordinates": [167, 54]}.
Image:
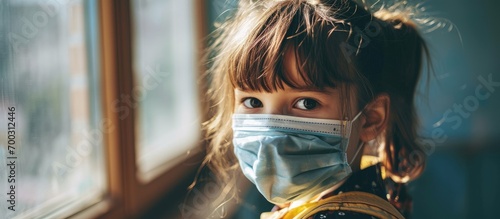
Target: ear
{"type": "Point", "coordinates": [375, 118]}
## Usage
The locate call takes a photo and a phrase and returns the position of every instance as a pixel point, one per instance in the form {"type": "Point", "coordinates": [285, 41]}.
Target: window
{"type": "Point", "coordinates": [168, 123]}
{"type": "Point", "coordinates": [105, 102]}
{"type": "Point", "coordinates": [49, 85]}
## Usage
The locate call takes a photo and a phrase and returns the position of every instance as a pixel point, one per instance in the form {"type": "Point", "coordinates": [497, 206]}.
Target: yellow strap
{"type": "Point", "coordinates": [360, 202]}
{"type": "Point", "coordinates": [370, 160]}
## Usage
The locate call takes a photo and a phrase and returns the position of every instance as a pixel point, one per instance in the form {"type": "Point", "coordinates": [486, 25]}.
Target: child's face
{"type": "Point", "coordinates": [312, 103]}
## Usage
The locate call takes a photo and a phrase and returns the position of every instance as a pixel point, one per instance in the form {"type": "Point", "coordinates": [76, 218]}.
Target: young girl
{"type": "Point", "coordinates": [302, 90]}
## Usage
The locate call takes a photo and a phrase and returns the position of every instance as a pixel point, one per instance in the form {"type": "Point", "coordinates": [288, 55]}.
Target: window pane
{"type": "Point", "coordinates": [165, 73]}
{"type": "Point", "coordinates": [45, 75]}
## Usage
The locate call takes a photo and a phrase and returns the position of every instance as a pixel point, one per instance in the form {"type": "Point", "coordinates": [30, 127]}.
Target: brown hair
{"type": "Point", "coordinates": [338, 44]}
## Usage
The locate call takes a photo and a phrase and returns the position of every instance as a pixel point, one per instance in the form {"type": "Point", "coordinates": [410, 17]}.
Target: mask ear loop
{"type": "Point", "coordinates": [358, 115]}
{"type": "Point", "coordinates": [350, 130]}
{"type": "Point", "coordinates": [357, 152]}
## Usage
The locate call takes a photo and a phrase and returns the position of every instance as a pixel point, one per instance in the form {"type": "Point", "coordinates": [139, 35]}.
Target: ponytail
{"type": "Point", "coordinates": [404, 53]}
{"type": "Point", "coordinates": [388, 51]}
{"type": "Point", "coordinates": [391, 64]}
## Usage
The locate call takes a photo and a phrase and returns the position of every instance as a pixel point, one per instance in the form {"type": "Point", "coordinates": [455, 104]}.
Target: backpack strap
{"type": "Point", "coordinates": [360, 202]}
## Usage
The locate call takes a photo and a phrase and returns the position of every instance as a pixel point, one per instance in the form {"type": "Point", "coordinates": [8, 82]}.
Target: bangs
{"type": "Point", "coordinates": [312, 36]}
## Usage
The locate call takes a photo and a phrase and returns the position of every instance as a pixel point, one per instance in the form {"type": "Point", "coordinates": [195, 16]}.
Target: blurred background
{"type": "Point", "coordinates": [107, 99]}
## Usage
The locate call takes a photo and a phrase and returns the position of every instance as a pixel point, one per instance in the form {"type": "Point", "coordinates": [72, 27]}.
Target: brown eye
{"type": "Point", "coordinates": [306, 104]}
{"type": "Point", "coordinates": [252, 103]}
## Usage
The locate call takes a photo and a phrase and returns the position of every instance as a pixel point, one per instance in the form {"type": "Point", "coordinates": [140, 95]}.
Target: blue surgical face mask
{"type": "Point", "coordinates": [291, 158]}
